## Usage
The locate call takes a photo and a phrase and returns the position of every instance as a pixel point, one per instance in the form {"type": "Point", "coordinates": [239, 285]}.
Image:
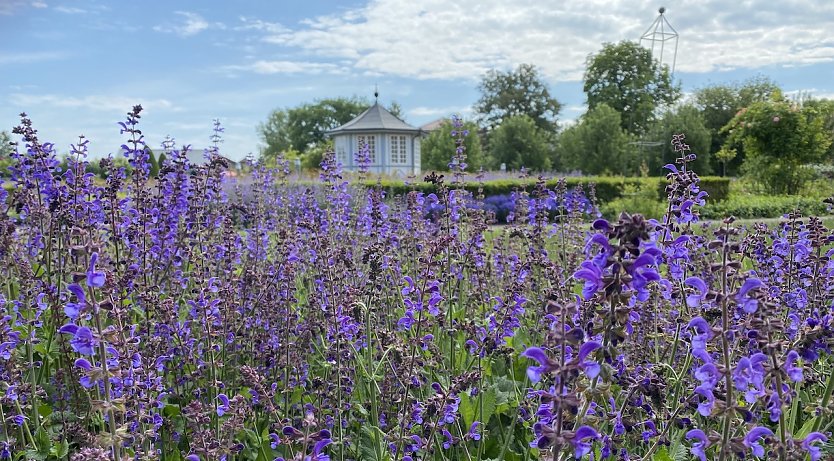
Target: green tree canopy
{"type": "Point", "coordinates": [720, 103]}
{"type": "Point", "coordinates": [303, 127]}
{"type": "Point", "coordinates": [437, 149]}
{"type": "Point", "coordinates": [519, 92]}
{"type": "Point", "coordinates": [689, 121]}
{"type": "Point", "coordinates": [5, 151]}
{"type": "Point", "coordinates": [519, 142]}
{"type": "Point", "coordinates": [779, 140]}
{"type": "Point", "coordinates": [625, 77]}
{"type": "Point", "coordinates": [598, 144]}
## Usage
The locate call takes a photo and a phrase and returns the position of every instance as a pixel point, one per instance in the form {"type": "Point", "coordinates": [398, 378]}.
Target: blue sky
{"type": "Point", "coordinates": [76, 67]}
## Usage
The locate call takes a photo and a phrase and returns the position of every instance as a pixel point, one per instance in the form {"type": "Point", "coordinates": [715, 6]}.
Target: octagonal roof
{"type": "Point", "coordinates": [375, 119]}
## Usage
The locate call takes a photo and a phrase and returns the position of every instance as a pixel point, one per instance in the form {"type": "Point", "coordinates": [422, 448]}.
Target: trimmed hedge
{"type": "Point", "coordinates": [763, 206]}
{"type": "Point", "coordinates": [607, 188]}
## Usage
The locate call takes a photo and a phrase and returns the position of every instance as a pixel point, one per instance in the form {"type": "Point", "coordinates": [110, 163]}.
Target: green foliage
{"type": "Point", "coordinates": [154, 164]}
{"type": "Point", "coordinates": [598, 144]}
{"type": "Point", "coordinates": [520, 142]}
{"type": "Point", "coordinates": [311, 160]}
{"type": "Point", "coordinates": [437, 149]}
{"type": "Point", "coordinates": [521, 92]}
{"type": "Point", "coordinates": [825, 110]}
{"type": "Point", "coordinates": [720, 103]}
{"type": "Point", "coordinates": [686, 119]}
{"type": "Point", "coordinates": [763, 206]}
{"type": "Point", "coordinates": [162, 159]}
{"type": "Point", "coordinates": [625, 77]}
{"type": "Point", "coordinates": [5, 151]}
{"type": "Point", "coordinates": [779, 139]}
{"type": "Point", "coordinates": [636, 198]}
{"type": "Point", "coordinates": [607, 188]}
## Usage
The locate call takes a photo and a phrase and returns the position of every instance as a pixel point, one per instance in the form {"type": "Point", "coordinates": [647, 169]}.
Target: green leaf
{"type": "Point", "coordinates": [60, 449]}
{"type": "Point", "coordinates": [806, 428]}
{"type": "Point", "coordinates": [662, 455]}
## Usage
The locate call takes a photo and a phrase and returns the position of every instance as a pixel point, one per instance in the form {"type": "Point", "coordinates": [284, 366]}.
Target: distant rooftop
{"type": "Point", "coordinates": [376, 118]}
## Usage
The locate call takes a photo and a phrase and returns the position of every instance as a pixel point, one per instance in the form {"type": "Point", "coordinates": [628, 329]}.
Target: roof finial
{"type": "Point", "coordinates": [376, 93]}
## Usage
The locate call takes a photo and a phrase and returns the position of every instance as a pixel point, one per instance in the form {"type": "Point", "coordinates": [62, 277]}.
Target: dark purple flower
{"type": "Point", "coordinates": [192, 458]}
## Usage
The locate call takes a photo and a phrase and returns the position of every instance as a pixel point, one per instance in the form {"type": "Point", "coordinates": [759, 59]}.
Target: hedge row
{"type": "Point", "coordinates": [762, 206]}
{"type": "Point", "coordinates": [607, 188]}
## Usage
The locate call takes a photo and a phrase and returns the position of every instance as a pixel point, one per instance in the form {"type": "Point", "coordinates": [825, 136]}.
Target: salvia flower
{"type": "Point", "coordinates": [83, 341]}
{"type": "Point", "coordinates": [95, 278]}
{"type": "Point", "coordinates": [814, 451]}
{"type": "Point", "coordinates": [751, 440]}
{"type": "Point", "coordinates": [702, 443]}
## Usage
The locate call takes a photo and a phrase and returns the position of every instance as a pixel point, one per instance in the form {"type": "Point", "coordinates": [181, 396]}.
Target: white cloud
{"type": "Point", "coordinates": [38, 4]}
{"type": "Point", "coordinates": [93, 102]}
{"type": "Point", "coordinates": [29, 58]}
{"type": "Point", "coordinates": [423, 111]}
{"type": "Point", "coordinates": [435, 39]}
{"type": "Point", "coordinates": [192, 24]}
{"type": "Point", "coordinates": [287, 67]}
{"type": "Point", "coordinates": [69, 10]}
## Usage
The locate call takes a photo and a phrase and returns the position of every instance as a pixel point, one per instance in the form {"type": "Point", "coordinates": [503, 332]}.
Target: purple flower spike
{"type": "Point", "coordinates": [94, 278]}
{"type": "Point", "coordinates": [671, 167]}
{"type": "Point", "coordinates": [751, 440]}
{"type": "Point", "coordinates": [813, 451]}
{"type": "Point", "coordinates": [695, 299]}
{"type": "Point", "coordinates": [192, 458]}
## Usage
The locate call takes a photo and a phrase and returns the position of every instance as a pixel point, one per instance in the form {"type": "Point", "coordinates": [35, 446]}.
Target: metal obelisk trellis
{"type": "Point", "coordinates": [656, 37]}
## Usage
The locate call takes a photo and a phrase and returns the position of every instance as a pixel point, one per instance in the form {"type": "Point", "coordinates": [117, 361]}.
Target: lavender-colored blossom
{"type": "Point", "coordinates": [751, 440]}
{"type": "Point", "coordinates": [702, 443]}
{"type": "Point", "coordinates": [814, 451]}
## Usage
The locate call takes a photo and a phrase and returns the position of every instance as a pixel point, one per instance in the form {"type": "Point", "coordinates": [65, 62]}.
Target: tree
{"type": "Point", "coordinates": [720, 103]}
{"type": "Point", "coordinates": [437, 149]}
{"type": "Point", "coordinates": [153, 164]}
{"type": "Point", "coordinates": [304, 126]}
{"type": "Point", "coordinates": [824, 109]}
{"type": "Point", "coordinates": [598, 144]}
{"type": "Point", "coordinates": [625, 77]}
{"type": "Point", "coordinates": [779, 140]}
{"type": "Point", "coordinates": [519, 142]}
{"type": "Point", "coordinates": [520, 92]}
{"type": "Point", "coordinates": [5, 151]}
{"type": "Point", "coordinates": [689, 121]}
